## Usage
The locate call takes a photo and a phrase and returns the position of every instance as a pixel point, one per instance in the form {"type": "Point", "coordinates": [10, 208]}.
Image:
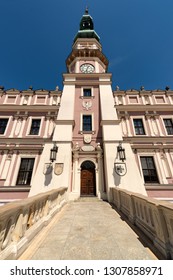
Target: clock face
{"type": "Point", "coordinates": [87, 68]}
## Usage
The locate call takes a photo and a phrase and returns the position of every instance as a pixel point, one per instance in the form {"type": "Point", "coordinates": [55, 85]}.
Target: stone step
{"type": "Point", "coordinates": [88, 199]}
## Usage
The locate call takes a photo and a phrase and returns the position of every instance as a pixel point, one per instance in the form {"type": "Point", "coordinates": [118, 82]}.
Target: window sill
{"type": "Point", "coordinates": [87, 97]}
{"type": "Point", "coordinates": [87, 132]}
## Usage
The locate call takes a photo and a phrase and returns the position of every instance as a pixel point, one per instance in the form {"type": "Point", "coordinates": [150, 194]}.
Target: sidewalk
{"type": "Point", "coordinates": [90, 230]}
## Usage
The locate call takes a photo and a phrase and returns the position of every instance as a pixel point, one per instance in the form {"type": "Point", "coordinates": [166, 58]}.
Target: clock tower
{"type": "Point", "coordinates": [87, 130]}
{"type": "Point", "coordinates": [86, 55]}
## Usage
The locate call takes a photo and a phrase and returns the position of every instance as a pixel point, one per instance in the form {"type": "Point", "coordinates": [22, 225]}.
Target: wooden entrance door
{"type": "Point", "coordinates": [88, 179]}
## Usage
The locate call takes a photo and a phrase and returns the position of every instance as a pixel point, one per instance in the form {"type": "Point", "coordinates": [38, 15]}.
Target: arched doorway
{"type": "Point", "coordinates": [88, 181]}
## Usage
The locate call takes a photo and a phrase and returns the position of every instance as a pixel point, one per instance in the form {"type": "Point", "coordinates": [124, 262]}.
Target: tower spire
{"type": "Point", "coordinates": [86, 10]}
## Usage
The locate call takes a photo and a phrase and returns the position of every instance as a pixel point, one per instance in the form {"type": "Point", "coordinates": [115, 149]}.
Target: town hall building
{"type": "Point", "coordinates": [87, 137]}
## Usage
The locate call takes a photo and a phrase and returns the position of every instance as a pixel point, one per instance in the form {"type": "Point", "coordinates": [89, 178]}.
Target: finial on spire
{"type": "Point", "coordinates": [86, 10]}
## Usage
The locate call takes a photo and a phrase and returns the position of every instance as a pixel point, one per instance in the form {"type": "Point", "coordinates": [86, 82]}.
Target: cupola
{"type": "Point", "coordinates": [86, 28]}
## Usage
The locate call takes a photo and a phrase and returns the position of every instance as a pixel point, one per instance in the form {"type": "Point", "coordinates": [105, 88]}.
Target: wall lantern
{"type": "Point", "coordinates": [121, 152]}
{"type": "Point", "coordinates": [53, 153]}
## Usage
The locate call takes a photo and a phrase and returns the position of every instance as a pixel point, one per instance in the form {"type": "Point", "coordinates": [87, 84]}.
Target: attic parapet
{"type": "Point", "coordinates": [144, 97]}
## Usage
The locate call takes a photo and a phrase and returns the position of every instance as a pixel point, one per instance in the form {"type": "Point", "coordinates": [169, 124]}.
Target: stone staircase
{"type": "Point", "coordinates": [88, 199]}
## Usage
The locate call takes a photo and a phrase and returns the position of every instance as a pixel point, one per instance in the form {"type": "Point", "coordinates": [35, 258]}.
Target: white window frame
{"type": "Point", "coordinates": [29, 126]}
{"type": "Point", "coordinates": [18, 167]}
{"type": "Point", "coordinates": [144, 125]}
{"type": "Point", "coordinates": [166, 117]}
{"type": "Point", "coordinates": [81, 121]}
{"type": "Point", "coordinates": [82, 92]}
{"type": "Point", "coordinates": [8, 123]}
{"type": "Point", "coordinates": [153, 155]}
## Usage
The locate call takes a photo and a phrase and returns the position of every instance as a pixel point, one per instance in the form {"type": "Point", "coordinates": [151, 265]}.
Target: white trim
{"type": "Point", "coordinates": [8, 123]}
{"type": "Point", "coordinates": [26, 156]}
{"type": "Point", "coordinates": [94, 161]}
{"type": "Point", "coordinates": [30, 124]}
{"type": "Point", "coordinates": [161, 96]}
{"type": "Point", "coordinates": [10, 170]}
{"type": "Point", "coordinates": [133, 96]}
{"type": "Point", "coordinates": [81, 120]}
{"type": "Point", "coordinates": [164, 127]}
{"type": "Point", "coordinates": [87, 87]}
{"type": "Point", "coordinates": [161, 172]}
{"type": "Point", "coordinates": [154, 156]}
{"type": "Point", "coordinates": [6, 99]}
{"type": "Point", "coordinates": [40, 96]}
{"type": "Point", "coordinates": [2, 163]}
{"type": "Point", "coordinates": [144, 125]}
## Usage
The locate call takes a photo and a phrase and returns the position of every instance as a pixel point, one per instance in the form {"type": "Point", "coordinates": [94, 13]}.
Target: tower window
{"type": "Point", "coordinates": [169, 126]}
{"type": "Point", "coordinates": [87, 92]}
{"type": "Point", "coordinates": [139, 128]}
{"type": "Point", "coordinates": [25, 171]}
{"type": "Point", "coordinates": [35, 127]}
{"type": "Point", "coordinates": [3, 125]}
{"type": "Point", "coordinates": [149, 170]}
{"type": "Point", "coordinates": [87, 123]}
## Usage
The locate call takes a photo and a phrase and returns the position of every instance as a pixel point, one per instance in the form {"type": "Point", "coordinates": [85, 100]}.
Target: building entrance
{"type": "Point", "coordinates": [88, 182]}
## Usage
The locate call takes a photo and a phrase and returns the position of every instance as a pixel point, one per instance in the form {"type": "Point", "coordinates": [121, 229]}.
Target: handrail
{"type": "Point", "coordinates": [21, 220]}
{"type": "Point", "coordinates": [153, 217]}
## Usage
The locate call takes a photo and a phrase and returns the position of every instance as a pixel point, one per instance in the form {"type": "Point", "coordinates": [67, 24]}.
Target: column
{"type": "Point", "coordinates": [22, 127]}
{"type": "Point", "coordinates": [47, 120]}
{"type": "Point", "coordinates": [14, 126]}
{"type": "Point", "coordinates": [161, 174]}
{"type": "Point", "coordinates": [100, 189]}
{"type": "Point", "coordinates": [10, 170]}
{"type": "Point", "coordinates": [75, 182]}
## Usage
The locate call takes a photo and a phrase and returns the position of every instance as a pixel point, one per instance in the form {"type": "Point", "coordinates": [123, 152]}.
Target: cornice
{"type": "Point", "coordinates": [28, 108]}
{"type": "Point", "coordinates": [150, 143]}
{"type": "Point", "coordinates": [92, 79]}
{"type": "Point", "coordinates": [142, 107]}
{"type": "Point", "coordinates": [110, 122]}
{"type": "Point", "coordinates": [87, 54]}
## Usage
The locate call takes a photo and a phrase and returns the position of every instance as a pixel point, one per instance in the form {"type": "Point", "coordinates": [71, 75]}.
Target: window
{"type": "Point", "coordinates": [35, 126]}
{"type": "Point", "coordinates": [25, 171]}
{"type": "Point", "coordinates": [87, 92]}
{"type": "Point", "coordinates": [149, 170]}
{"type": "Point", "coordinates": [3, 125]}
{"type": "Point", "coordinates": [169, 126]}
{"type": "Point", "coordinates": [87, 123]}
{"type": "Point", "coordinates": [139, 128]}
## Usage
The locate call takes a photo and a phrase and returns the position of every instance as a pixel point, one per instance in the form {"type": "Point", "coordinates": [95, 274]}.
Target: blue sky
{"type": "Point", "coordinates": [37, 35]}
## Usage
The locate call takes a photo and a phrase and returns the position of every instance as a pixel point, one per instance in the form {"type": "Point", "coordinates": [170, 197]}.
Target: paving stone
{"type": "Point", "coordinates": [91, 230]}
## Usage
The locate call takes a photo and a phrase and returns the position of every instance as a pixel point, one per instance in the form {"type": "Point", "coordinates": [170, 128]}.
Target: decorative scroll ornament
{"type": "Point", "coordinates": [47, 168]}
{"type": "Point", "coordinates": [120, 168]}
{"type": "Point", "coordinates": [58, 169]}
{"type": "Point", "coordinates": [87, 138]}
{"type": "Point", "coordinates": [87, 104]}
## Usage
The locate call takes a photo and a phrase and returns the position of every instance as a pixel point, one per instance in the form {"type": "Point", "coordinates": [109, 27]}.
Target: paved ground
{"type": "Point", "coordinates": [90, 230]}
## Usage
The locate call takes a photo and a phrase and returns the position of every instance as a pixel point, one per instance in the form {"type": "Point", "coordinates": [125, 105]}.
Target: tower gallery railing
{"type": "Point", "coordinates": [153, 217]}
{"type": "Point", "coordinates": [20, 221]}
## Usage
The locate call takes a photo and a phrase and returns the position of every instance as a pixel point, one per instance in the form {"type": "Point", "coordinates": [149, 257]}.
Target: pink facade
{"type": "Point", "coordinates": [155, 140]}
{"type": "Point", "coordinates": [87, 106]}
{"type": "Point", "coordinates": [18, 111]}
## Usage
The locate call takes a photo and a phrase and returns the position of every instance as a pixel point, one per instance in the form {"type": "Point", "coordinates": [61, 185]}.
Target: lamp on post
{"type": "Point", "coordinates": [121, 152]}
{"type": "Point", "coordinates": [53, 153]}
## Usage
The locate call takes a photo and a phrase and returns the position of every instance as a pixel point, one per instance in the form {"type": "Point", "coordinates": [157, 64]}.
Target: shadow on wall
{"type": "Point", "coordinates": [48, 175]}
{"type": "Point", "coordinates": [117, 178]}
